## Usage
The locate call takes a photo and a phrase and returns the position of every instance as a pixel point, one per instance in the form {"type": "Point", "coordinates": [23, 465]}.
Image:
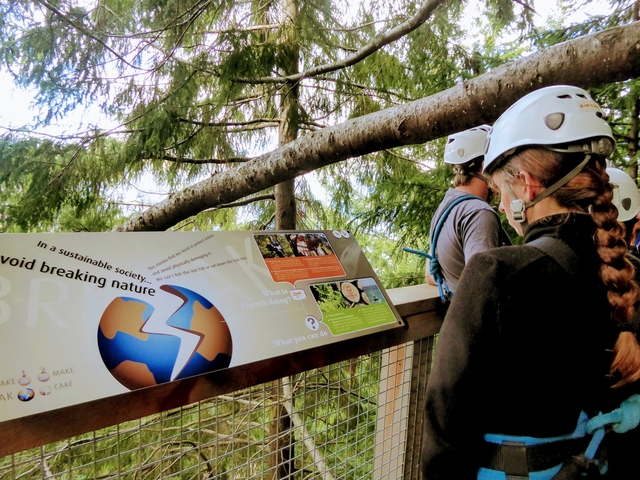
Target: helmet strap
{"type": "Point", "coordinates": [518, 207]}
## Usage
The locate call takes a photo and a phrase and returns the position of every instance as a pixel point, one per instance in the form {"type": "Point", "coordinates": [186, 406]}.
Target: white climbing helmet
{"type": "Point", "coordinates": [464, 146]}
{"type": "Point", "coordinates": [625, 194]}
{"type": "Point", "coordinates": [561, 117]}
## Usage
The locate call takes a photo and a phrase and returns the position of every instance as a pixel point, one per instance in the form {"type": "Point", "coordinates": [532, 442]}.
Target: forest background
{"type": "Point", "coordinates": [176, 94]}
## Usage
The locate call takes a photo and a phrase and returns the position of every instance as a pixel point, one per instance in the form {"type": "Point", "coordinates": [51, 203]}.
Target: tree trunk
{"type": "Point", "coordinates": [288, 131]}
{"type": "Point", "coordinates": [633, 137]}
{"type": "Point", "coordinates": [604, 57]}
{"type": "Point", "coordinates": [281, 440]}
{"type": "Point", "coordinates": [633, 130]}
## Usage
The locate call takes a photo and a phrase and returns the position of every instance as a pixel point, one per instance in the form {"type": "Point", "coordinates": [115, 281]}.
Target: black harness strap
{"type": "Point", "coordinates": [518, 460]}
{"type": "Point", "coordinates": [559, 251]}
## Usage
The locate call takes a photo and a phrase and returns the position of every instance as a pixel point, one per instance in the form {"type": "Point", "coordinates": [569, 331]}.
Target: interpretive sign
{"type": "Point", "coordinates": [91, 315]}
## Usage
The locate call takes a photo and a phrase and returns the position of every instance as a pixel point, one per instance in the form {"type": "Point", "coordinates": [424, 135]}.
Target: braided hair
{"type": "Point", "coordinates": [590, 192]}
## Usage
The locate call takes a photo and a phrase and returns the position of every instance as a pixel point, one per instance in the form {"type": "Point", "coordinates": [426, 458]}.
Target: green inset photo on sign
{"type": "Point", "coordinates": [352, 305]}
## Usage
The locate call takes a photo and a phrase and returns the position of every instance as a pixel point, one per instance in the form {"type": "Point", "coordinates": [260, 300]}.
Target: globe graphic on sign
{"type": "Point", "coordinates": [26, 395]}
{"type": "Point", "coordinates": [139, 352]}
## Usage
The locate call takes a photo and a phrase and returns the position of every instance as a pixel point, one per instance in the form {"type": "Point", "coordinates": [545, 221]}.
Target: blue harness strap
{"type": "Point", "coordinates": [621, 420]}
{"type": "Point", "coordinates": [434, 266]}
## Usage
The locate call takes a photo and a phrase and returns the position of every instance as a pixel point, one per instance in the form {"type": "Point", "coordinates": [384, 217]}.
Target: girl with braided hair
{"type": "Point", "coordinates": [540, 338]}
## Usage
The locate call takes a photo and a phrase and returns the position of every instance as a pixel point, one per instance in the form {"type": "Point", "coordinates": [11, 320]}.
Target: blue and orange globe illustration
{"type": "Point", "coordinates": [195, 339]}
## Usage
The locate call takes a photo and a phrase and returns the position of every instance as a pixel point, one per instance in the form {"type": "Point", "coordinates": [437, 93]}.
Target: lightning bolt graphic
{"type": "Point", "coordinates": [158, 324]}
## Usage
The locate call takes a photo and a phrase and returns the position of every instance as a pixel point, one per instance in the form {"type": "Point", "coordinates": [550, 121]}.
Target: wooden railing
{"type": "Point", "coordinates": [417, 305]}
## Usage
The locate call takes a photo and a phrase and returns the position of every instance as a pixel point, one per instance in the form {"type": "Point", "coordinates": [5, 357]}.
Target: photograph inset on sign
{"type": "Point", "coordinates": [298, 256]}
{"type": "Point", "coordinates": [352, 305]}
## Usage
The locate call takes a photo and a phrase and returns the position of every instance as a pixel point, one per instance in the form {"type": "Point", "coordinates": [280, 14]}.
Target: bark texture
{"type": "Point", "coordinates": [605, 57]}
{"type": "Point", "coordinates": [288, 130]}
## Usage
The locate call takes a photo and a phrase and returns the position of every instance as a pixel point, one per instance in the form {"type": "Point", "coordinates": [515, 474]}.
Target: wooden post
{"type": "Point", "coordinates": [393, 408]}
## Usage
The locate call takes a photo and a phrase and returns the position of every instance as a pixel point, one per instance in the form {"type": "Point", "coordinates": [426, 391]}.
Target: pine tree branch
{"type": "Point", "coordinates": [268, 222]}
{"type": "Point", "coordinates": [357, 27]}
{"type": "Point", "coordinates": [80, 28]}
{"type": "Point", "coordinates": [269, 121]}
{"type": "Point", "coordinates": [602, 58]}
{"type": "Point", "coordinates": [251, 28]}
{"type": "Point", "coordinates": [407, 159]}
{"type": "Point", "coordinates": [205, 161]}
{"type": "Point", "coordinates": [123, 204]}
{"type": "Point", "coordinates": [242, 203]}
{"type": "Point", "coordinates": [190, 21]}
{"type": "Point", "coordinates": [368, 88]}
{"type": "Point", "coordinates": [525, 6]}
{"type": "Point", "coordinates": [250, 128]}
{"type": "Point", "coordinates": [380, 41]}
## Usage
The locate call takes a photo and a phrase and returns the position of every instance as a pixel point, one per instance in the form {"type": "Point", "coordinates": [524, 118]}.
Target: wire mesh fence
{"type": "Point", "coordinates": [357, 419]}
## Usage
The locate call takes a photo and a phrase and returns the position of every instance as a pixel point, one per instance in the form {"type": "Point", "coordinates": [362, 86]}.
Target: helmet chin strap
{"type": "Point", "coordinates": [518, 207]}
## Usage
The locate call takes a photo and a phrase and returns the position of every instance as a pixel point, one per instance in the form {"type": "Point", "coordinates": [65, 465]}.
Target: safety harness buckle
{"type": "Point", "coordinates": [515, 461]}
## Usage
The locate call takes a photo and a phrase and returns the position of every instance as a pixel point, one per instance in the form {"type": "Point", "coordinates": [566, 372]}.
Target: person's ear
{"type": "Point", "coordinates": [531, 186]}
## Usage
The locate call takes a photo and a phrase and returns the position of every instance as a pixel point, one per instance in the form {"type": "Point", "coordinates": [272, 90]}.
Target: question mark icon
{"type": "Point", "coordinates": [312, 322]}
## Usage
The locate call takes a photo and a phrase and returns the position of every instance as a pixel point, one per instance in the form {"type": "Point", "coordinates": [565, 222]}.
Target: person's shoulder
{"type": "Point", "coordinates": [476, 211]}
{"type": "Point", "coordinates": [509, 258]}
{"type": "Point", "coordinates": [470, 204]}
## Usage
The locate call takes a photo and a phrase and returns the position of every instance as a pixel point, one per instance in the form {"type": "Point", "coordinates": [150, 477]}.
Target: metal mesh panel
{"type": "Point", "coordinates": [358, 419]}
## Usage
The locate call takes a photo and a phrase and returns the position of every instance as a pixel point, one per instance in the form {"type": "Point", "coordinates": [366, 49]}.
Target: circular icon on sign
{"type": "Point", "coordinates": [345, 233]}
{"type": "Point", "coordinates": [24, 379]}
{"type": "Point", "coordinates": [44, 376]}
{"type": "Point", "coordinates": [26, 394]}
{"type": "Point", "coordinates": [141, 347]}
{"type": "Point", "coordinates": [312, 322]}
{"type": "Point", "coordinates": [45, 390]}
{"type": "Point", "coordinates": [337, 234]}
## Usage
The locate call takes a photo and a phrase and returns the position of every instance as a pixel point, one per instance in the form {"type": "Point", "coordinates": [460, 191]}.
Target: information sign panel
{"type": "Point", "coordinates": [91, 315]}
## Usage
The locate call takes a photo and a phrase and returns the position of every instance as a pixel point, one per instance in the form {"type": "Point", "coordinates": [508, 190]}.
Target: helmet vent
{"type": "Point", "coordinates": [565, 96]}
{"type": "Point", "coordinates": [582, 95]}
{"type": "Point", "coordinates": [599, 114]}
{"type": "Point", "coordinates": [451, 140]}
{"type": "Point", "coordinates": [554, 120]}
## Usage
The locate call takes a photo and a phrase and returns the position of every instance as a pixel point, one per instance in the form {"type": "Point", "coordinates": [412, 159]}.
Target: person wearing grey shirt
{"type": "Point", "coordinates": [471, 226]}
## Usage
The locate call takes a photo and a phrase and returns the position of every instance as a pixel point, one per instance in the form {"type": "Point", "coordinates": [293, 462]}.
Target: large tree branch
{"type": "Point", "coordinates": [605, 57]}
{"type": "Point", "coordinates": [380, 41]}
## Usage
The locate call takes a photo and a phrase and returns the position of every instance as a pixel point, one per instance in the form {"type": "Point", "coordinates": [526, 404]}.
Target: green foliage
{"type": "Point", "coordinates": [618, 100]}
{"type": "Point", "coordinates": [231, 436]}
{"type": "Point", "coordinates": [194, 86]}
{"type": "Point", "coordinates": [328, 297]}
{"type": "Point", "coordinates": [50, 186]}
{"type": "Point", "coordinates": [187, 80]}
